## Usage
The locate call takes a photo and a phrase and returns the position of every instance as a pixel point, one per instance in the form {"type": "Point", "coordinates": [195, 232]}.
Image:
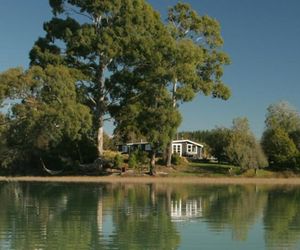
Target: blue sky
{"type": "Point", "coordinates": [262, 38]}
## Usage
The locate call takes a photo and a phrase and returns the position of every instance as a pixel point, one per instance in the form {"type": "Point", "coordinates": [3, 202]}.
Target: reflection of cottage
{"type": "Point", "coordinates": [100, 214]}
{"type": "Point", "coordinates": [185, 210]}
{"type": "Point", "coordinates": [185, 148]}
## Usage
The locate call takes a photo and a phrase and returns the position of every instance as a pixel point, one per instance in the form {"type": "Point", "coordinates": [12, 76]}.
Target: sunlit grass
{"type": "Point", "coordinates": [226, 170]}
{"type": "Point", "coordinates": [205, 169]}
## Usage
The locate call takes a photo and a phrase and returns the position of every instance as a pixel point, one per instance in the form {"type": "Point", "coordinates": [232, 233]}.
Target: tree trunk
{"type": "Point", "coordinates": [169, 146]}
{"type": "Point", "coordinates": [100, 111]}
{"type": "Point", "coordinates": [169, 154]}
{"type": "Point", "coordinates": [100, 136]}
{"type": "Point", "coordinates": [152, 164]}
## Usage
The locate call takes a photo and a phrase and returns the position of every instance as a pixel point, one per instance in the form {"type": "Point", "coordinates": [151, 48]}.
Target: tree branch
{"type": "Point", "coordinates": [92, 99]}
{"type": "Point", "coordinates": [79, 13]}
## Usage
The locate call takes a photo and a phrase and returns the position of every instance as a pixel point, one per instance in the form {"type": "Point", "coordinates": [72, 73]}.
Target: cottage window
{"type": "Point", "coordinates": [124, 149]}
{"type": "Point", "coordinates": [191, 148]}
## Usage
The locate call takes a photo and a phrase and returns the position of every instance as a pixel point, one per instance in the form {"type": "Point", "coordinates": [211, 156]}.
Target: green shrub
{"type": "Point", "coordinates": [176, 159]}
{"type": "Point", "coordinates": [138, 159]}
{"type": "Point", "coordinates": [132, 161]}
{"type": "Point", "coordinates": [298, 161]}
{"type": "Point", "coordinates": [142, 157]}
{"type": "Point", "coordinates": [118, 161]}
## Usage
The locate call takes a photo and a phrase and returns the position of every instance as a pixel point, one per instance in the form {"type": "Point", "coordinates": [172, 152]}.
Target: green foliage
{"type": "Point", "coordinates": [6, 154]}
{"type": "Point", "coordinates": [281, 138]}
{"type": "Point", "coordinates": [196, 64]}
{"type": "Point", "coordinates": [218, 140]}
{"type": "Point", "coordinates": [142, 157]}
{"type": "Point", "coordinates": [109, 143]}
{"type": "Point", "coordinates": [195, 61]}
{"type": "Point", "coordinates": [150, 116]}
{"type": "Point", "coordinates": [297, 160]}
{"type": "Point", "coordinates": [279, 147]}
{"type": "Point", "coordinates": [101, 39]}
{"type": "Point", "coordinates": [118, 161]}
{"type": "Point", "coordinates": [199, 136]}
{"type": "Point", "coordinates": [116, 58]}
{"type": "Point", "coordinates": [243, 150]}
{"type": "Point", "coordinates": [138, 159]}
{"type": "Point", "coordinates": [215, 140]}
{"type": "Point", "coordinates": [295, 136]}
{"type": "Point", "coordinates": [46, 118]}
{"type": "Point", "coordinates": [157, 122]}
{"type": "Point", "coordinates": [132, 161]}
{"type": "Point", "coordinates": [176, 159]}
{"type": "Point", "coordinates": [283, 115]}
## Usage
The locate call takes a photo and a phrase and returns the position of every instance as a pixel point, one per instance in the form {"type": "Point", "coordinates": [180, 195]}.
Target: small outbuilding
{"type": "Point", "coordinates": [185, 148]}
{"type": "Point", "coordinates": [130, 147]}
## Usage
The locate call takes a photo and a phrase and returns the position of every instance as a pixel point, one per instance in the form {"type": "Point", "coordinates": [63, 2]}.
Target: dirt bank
{"type": "Point", "coordinates": [181, 180]}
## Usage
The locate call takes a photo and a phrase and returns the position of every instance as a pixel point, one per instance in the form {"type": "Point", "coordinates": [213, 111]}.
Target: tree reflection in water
{"type": "Point", "coordinates": [124, 216]}
{"type": "Point", "coordinates": [282, 218]}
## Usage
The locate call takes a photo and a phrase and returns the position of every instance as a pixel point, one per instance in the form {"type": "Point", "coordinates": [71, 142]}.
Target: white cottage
{"type": "Point", "coordinates": [187, 148]}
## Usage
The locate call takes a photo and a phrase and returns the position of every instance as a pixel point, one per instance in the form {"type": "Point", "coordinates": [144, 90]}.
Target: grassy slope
{"type": "Point", "coordinates": [190, 169]}
{"type": "Point", "coordinates": [222, 170]}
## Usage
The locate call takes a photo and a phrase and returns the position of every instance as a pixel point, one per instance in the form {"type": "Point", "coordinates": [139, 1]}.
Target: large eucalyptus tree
{"type": "Point", "coordinates": [197, 60]}
{"type": "Point", "coordinates": [100, 38]}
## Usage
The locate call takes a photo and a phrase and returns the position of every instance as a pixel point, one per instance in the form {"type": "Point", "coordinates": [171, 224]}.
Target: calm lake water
{"type": "Point", "coordinates": [153, 216]}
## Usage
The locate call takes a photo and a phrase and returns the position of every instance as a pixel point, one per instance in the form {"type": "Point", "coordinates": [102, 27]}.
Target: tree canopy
{"type": "Point", "coordinates": [280, 139]}
{"type": "Point", "coordinates": [45, 112]}
{"type": "Point", "coordinates": [149, 116]}
{"type": "Point", "coordinates": [196, 65]}
{"type": "Point", "coordinates": [243, 149]}
{"type": "Point", "coordinates": [196, 60]}
{"type": "Point", "coordinates": [99, 38]}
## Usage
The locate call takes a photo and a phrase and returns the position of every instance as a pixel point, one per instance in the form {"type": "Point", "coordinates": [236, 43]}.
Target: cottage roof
{"type": "Point", "coordinates": [135, 143]}
{"type": "Point", "coordinates": [175, 141]}
{"type": "Point", "coordinates": [189, 141]}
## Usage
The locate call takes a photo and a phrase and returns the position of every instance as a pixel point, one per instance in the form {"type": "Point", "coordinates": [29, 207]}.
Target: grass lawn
{"type": "Point", "coordinates": [224, 170]}
{"type": "Point", "coordinates": [203, 169]}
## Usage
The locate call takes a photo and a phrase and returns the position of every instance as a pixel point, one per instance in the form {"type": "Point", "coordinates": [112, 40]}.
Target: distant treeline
{"type": "Point", "coordinates": [279, 146]}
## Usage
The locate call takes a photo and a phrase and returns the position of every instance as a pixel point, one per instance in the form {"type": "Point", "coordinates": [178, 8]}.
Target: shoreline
{"type": "Point", "coordinates": [148, 180]}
